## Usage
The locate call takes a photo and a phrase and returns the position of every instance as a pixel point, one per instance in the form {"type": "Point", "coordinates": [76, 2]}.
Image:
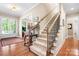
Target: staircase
{"type": "Point", "coordinates": [52, 34]}
{"type": "Point", "coordinates": [42, 44]}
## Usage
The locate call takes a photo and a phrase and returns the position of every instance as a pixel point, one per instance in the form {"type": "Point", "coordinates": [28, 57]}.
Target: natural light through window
{"type": "Point", "coordinates": [7, 25]}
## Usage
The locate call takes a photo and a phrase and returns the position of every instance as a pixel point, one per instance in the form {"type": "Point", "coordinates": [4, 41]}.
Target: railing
{"type": "Point", "coordinates": [48, 22]}
{"type": "Point", "coordinates": [45, 20]}
{"type": "Point", "coordinates": [52, 30]}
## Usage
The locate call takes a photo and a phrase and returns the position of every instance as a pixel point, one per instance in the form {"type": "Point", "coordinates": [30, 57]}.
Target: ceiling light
{"type": "Point", "coordinates": [14, 7]}
{"type": "Point", "coordinates": [72, 8]}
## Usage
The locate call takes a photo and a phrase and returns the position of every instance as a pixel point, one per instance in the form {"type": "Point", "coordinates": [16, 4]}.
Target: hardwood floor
{"type": "Point", "coordinates": [17, 49]}
{"type": "Point", "coordinates": [70, 48]}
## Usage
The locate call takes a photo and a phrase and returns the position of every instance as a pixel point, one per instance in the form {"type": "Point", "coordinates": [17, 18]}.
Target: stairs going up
{"type": "Point", "coordinates": [40, 46]}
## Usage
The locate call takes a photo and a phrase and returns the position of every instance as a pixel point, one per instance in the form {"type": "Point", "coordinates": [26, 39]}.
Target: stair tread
{"type": "Point", "coordinates": [41, 38]}
{"type": "Point", "coordinates": [38, 50]}
{"type": "Point", "coordinates": [43, 33]}
{"type": "Point", "coordinates": [46, 35]}
{"type": "Point", "coordinates": [43, 44]}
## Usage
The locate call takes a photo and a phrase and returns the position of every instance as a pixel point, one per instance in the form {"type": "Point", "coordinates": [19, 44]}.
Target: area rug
{"type": "Point", "coordinates": [9, 41]}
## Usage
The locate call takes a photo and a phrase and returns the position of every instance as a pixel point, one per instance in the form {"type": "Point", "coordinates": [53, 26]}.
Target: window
{"type": "Point", "coordinates": [7, 25]}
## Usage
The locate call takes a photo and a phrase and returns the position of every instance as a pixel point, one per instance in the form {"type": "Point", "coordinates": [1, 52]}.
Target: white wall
{"type": "Point", "coordinates": [63, 23]}
{"type": "Point", "coordinates": [40, 11]}
{"type": "Point", "coordinates": [74, 19]}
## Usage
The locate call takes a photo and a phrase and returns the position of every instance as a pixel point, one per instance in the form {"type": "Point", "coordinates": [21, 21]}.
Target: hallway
{"type": "Point", "coordinates": [70, 48]}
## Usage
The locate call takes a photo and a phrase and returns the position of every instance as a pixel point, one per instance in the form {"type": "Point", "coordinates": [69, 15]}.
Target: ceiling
{"type": "Point", "coordinates": [27, 6]}
{"type": "Point", "coordinates": [24, 7]}
{"type": "Point", "coordinates": [71, 8]}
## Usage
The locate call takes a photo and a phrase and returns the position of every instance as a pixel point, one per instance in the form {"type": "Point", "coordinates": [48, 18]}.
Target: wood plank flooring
{"type": "Point", "coordinates": [70, 48]}
{"type": "Point", "coordinates": [15, 50]}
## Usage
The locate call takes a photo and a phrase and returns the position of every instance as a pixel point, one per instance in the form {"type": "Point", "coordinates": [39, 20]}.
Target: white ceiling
{"type": "Point", "coordinates": [24, 8]}
{"type": "Point", "coordinates": [68, 6]}
{"type": "Point", "coordinates": [27, 6]}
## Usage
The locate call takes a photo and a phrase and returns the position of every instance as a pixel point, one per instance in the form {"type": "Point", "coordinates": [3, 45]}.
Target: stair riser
{"type": "Point", "coordinates": [43, 41]}
{"type": "Point", "coordinates": [43, 36]}
{"type": "Point", "coordinates": [44, 31]}
{"type": "Point", "coordinates": [40, 46]}
{"type": "Point", "coordinates": [37, 52]}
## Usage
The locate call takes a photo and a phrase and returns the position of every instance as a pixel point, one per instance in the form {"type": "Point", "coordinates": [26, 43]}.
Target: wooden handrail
{"type": "Point", "coordinates": [42, 19]}
{"type": "Point", "coordinates": [50, 27]}
{"type": "Point", "coordinates": [52, 20]}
